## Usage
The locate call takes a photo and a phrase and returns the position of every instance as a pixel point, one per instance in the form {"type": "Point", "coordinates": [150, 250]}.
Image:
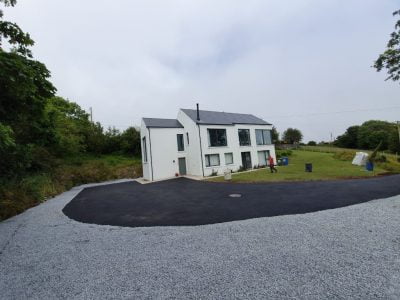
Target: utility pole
{"type": "Point", "coordinates": [91, 115]}
{"type": "Point", "coordinates": [398, 128]}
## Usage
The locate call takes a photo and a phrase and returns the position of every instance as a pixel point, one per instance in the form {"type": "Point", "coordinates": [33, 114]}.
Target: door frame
{"type": "Point", "coordinates": [179, 165]}
{"type": "Point", "coordinates": [245, 161]}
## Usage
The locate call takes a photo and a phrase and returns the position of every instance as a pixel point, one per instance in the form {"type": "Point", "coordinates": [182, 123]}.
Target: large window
{"type": "Point", "coordinates": [263, 137]}
{"type": "Point", "coordinates": [244, 137]}
{"type": "Point", "coordinates": [217, 137]}
{"type": "Point", "coordinates": [228, 158]}
{"type": "Point", "coordinates": [144, 149]}
{"type": "Point", "coordinates": [212, 160]}
{"type": "Point", "coordinates": [181, 146]}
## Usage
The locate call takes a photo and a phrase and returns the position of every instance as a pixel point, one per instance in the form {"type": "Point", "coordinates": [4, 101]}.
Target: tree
{"type": "Point", "coordinates": [312, 143]}
{"type": "Point", "coordinates": [349, 139]}
{"type": "Point", "coordinates": [70, 124]}
{"type": "Point", "coordinates": [274, 135]}
{"type": "Point", "coordinates": [292, 136]}
{"type": "Point", "coordinates": [130, 141]}
{"type": "Point", "coordinates": [372, 132]}
{"type": "Point", "coordinates": [13, 34]}
{"type": "Point", "coordinates": [390, 59]}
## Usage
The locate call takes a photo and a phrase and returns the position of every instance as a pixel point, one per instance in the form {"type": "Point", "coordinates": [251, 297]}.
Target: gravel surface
{"type": "Point", "coordinates": [345, 253]}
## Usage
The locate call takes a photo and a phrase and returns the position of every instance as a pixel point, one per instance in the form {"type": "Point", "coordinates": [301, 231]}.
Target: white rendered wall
{"type": "Point", "coordinates": [193, 161]}
{"type": "Point", "coordinates": [233, 146]}
{"type": "Point", "coordinates": [164, 152]}
{"type": "Point", "coordinates": [145, 165]}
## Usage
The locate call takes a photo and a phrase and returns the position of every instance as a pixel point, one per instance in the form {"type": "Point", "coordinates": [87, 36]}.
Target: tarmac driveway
{"type": "Point", "coordinates": [187, 202]}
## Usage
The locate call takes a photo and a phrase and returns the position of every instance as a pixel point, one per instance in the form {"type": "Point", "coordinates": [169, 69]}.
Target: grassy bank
{"type": "Point", "coordinates": [325, 166]}
{"type": "Point", "coordinates": [19, 194]}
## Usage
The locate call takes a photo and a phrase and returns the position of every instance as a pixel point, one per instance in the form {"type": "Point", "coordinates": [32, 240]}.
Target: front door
{"type": "Point", "coordinates": [246, 160]}
{"type": "Point", "coordinates": [182, 165]}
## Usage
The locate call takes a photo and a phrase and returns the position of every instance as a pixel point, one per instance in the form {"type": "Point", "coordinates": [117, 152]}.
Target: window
{"type": "Point", "coordinates": [212, 160]}
{"type": "Point", "coordinates": [263, 158]}
{"type": "Point", "coordinates": [263, 137]}
{"type": "Point", "coordinates": [144, 149]}
{"type": "Point", "coordinates": [228, 158]}
{"type": "Point", "coordinates": [181, 146]}
{"type": "Point", "coordinates": [217, 137]}
{"type": "Point", "coordinates": [187, 137]}
{"type": "Point", "coordinates": [244, 137]}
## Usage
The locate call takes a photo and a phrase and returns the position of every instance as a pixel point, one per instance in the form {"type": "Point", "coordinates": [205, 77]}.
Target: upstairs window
{"type": "Point", "coordinates": [263, 137]}
{"type": "Point", "coordinates": [244, 137]}
{"type": "Point", "coordinates": [181, 146]}
{"type": "Point", "coordinates": [217, 137]}
{"type": "Point", "coordinates": [144, 150]}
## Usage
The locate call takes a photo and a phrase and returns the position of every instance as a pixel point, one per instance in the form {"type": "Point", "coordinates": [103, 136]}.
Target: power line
{"type": "Point", "coordinates": [336, 112]}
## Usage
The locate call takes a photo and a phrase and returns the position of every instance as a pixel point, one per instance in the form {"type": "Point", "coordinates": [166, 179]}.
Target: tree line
{"type": "Point", "coordinates": [369, 135]}
{"type": "Point", "coordinates": [37, 128]}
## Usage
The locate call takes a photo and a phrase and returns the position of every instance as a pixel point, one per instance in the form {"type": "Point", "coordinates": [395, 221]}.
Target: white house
{"type": "Point", "coordinates": [203, 143]}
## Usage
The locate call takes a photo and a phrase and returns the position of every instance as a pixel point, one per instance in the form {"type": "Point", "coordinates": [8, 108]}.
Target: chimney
{"type": "Point", "coordinates": [198, 112]}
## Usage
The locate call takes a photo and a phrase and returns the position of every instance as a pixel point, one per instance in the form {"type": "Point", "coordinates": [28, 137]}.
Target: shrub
{"type": "Point", "coordinates": [283, 153]}
{"type": "Point", "coordinates": [344, 155]}
{"type": "Point", "coordinates": [312, 143]}
{"type": "Point", "coordinates": [380, 158]}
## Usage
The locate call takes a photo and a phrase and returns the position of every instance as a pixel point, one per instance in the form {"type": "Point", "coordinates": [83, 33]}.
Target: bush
{"type": "Point", "coordinates": [19, 195]}
{"type": "Point", "coordinates": [312, 143]}
{"type": "Point", "coordinates": [344, 155]}
{"type": "Point", "coordinates": [283, 153]}
{"type": "Point", "coordinates": [380, 158]}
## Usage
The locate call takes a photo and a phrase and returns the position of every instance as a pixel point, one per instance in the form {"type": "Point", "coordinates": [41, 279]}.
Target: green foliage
{"type": "Point", "coordinates": [312, 143]}
{"type": "Point", "coordinates": [372, 133]}
{"type": "Point", "coordinates": [130, 141]}
{"type": "Point", "coordinates": [13, 34]}
{"type": "Point", "coordinates": [283, 153]}
{"type": "Point", "coordinates": [372, 157]}
{"type": "Point", "coordinates": [17, 194]}
{"type": "Point", "coordinates": [292, 136]}
{"type": "Point", "coordinates": [369, 135]}
{"type": "Point", "coordinates": [349, 139]}
{"type": "Point", "coordinates": [344, 155]}
{"type": "Point", "coordinates": [390, 59]}
{"type": "Point", "coordinates": [274, 135]}
{"type": "Point", "coordinates": [39, 132]}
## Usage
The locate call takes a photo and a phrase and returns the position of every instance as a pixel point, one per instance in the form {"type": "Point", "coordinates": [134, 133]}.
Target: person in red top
{"type": "Point", "coordinates": [272, 165]}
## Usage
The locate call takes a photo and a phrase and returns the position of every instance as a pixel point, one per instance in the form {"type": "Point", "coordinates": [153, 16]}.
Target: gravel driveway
{"type": "Point", "coordinates": [351, 252]}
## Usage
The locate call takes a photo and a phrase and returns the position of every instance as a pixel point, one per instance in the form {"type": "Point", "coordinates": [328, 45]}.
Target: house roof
{"type": "Point", "coordinates": [162, 123]}
{"type": "Point", "coordinates": [223, 118]}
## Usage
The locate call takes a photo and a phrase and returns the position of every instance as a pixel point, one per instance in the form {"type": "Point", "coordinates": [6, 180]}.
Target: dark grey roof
{"type": "Point", "coordinates": [162, 123]}
{"type": "Point", "coordinates": [223, 118]}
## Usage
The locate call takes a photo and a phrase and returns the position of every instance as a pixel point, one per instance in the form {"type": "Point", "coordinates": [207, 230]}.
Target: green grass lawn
{"type": "Point", "coordinates": [325, 167]}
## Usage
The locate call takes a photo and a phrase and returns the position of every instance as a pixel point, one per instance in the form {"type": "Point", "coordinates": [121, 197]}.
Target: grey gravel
{"type": "Point", "coordinates": [346, 253]}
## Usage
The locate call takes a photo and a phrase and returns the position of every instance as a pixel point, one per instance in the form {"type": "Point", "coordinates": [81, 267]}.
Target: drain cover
{"type": "Point", "coordinates": [235, 195]}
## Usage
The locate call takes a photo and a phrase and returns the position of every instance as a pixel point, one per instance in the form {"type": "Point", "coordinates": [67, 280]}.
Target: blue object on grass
{"type": "Point", "coordinates": [369, 166]}
{"type": "Point", "coordinates": [285, 161]}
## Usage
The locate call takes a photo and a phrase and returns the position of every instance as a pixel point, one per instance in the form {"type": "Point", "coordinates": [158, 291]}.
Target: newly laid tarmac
{"type": "Point", "coordinates": [189, 202]}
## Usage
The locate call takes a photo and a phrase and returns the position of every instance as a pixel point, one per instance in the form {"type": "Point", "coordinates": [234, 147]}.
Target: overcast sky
{"type": "Point", "coordinates": [284, 61]}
